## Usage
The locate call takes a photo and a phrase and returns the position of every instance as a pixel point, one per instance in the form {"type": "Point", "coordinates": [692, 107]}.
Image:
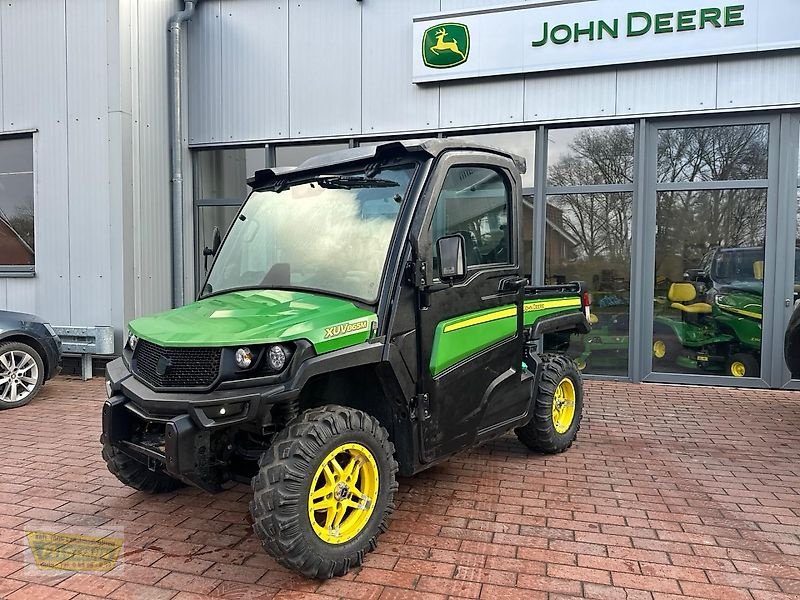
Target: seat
{"type": "Point", "coordinates": [680, 294]}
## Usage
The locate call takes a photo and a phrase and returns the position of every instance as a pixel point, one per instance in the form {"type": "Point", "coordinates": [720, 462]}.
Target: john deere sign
{"type": "Point", "coordinates": [445, 45]}
{"type": "Point", "coordinates": [564, 34]}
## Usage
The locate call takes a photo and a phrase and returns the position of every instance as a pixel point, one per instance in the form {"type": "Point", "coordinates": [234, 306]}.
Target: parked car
{"type": "Point", "coordinates": [791, 346]}
{"type": "Point", "coordinates": [30, 354]}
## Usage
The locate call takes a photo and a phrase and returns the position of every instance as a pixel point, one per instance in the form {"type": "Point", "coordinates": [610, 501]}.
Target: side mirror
{"type": "Point", "coordinates": [216, 242]}
{"type": "Point", "coordinates": [695, 275]}
{"type": "Point", "coordinates": [452, 258]}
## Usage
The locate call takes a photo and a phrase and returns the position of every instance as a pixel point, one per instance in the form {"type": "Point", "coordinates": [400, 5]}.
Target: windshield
{"type": "Point", "coordinates": [737, 266]}
{"type": "Point", "coordinates": [330, 234]}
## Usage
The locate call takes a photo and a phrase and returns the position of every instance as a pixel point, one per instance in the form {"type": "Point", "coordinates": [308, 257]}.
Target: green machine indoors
{"type": "Point", "coordinates": [366, 316]}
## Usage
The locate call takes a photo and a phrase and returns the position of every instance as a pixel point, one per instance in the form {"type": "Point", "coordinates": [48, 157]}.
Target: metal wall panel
{"type": "Point", "coordinates": [3, 301]}
{"type": "Point", "coordinates": [390, 101]}
{"type": "Point", "coordinates": [582, 94]}
{"type": "Point", "coordinates": [325, 67]}
{"type": "Point", "coordinates": [255, 91]}
{"type": "Point", "coordinates": [88, 159]}
{"type": "Point", "coordinates": [488, 102]}
{"type": "Point", "coordinates": [151, 196]}
{"type": "Point", "coordinates": [763, 80]}
{"type": "Point", "coordinates": [204, 62]}
{"type": "Point", "coordinates": [676, 87]}
{"type": "Point", "coordinates": [33, 56]}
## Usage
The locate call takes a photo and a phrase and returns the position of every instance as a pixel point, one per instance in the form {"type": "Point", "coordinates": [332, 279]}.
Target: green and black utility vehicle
{"type": "Point", "coordinates": [366, 316]}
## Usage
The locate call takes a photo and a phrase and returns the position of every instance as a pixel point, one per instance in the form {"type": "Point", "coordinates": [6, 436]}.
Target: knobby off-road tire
{"type": "Point", "coordinates": [136, 475]}
{"type": "Point", "coordinates": [558, 407]}
{"type": "Point", "coordinates": [292, 474]}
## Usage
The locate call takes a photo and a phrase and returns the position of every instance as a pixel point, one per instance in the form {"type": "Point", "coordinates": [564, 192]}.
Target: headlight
{"type": "Point", "coordinates": [276, 357]}
{"type": "Point", "coordinates": [244, 358]}
{"type": "Point", "coordinates": [132, 341]}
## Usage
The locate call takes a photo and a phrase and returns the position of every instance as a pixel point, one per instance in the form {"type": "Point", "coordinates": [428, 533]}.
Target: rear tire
{"type": "Point", "coordinates": [21, 374]}
{"type": "Point", "coordinates": [307, 466]}
{"type": "Point", "coordinates": [136, 475]}
{"type": "Point", "coordinates": [558, 407]}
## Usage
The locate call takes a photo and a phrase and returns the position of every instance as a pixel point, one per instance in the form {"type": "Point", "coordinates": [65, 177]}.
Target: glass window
{"type": "Point", "coordinates": [736, 152]}
{"type": "Point", "coordinates": [590, 156]}
{"type": "Point", "coordinates": [16, 202]}
{"type": "Point", "coordinates": [709, 281]}
{"type": "Point", "coordinates": [588, 238]}
{"type": "Point", "coordinates": [521, 143]}
{"type": "Point", "coordinates": [293, 156]}
{"type": "Point", "coordinates": [331, 234]}
{"type": "Point", "coordinates": [222, 173]}
{"type": "Point", "coordinates": [474, 202]}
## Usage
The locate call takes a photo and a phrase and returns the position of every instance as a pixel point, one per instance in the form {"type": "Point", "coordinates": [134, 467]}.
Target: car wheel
{"type": "Point", "coordinates": [21, 374]}
{"type": "Point", "coordinates": [324, 491]}
{"type": "Point", "coordinates": [557, 408]}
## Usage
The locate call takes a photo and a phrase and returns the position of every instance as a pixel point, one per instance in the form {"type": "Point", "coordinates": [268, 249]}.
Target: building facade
{"type": "Point", "coordinates": [662, 149]}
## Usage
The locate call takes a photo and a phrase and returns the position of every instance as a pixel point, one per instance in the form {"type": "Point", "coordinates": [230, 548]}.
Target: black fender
{"type": "Point", "coordinates": [575, 322]}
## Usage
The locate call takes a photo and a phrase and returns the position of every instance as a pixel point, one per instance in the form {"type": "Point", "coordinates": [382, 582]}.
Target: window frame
{"type": "Point", "coordinates": [9, 270]}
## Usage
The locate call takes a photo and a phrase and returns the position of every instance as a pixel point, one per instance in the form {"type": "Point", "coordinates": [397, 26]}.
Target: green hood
{"type": "Point", "coordinates": [258, 317]}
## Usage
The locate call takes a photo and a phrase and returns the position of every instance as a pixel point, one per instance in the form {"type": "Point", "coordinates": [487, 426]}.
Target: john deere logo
{"type": "Point", "coordinates": [445, 45]}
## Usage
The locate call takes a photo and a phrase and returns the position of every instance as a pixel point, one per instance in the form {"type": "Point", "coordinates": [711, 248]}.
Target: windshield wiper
{"type": "Point", "coordinates": [347, 183]}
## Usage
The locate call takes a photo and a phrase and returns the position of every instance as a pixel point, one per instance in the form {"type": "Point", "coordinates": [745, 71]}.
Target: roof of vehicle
{"type": "Point", "coordinates": [432, 148]}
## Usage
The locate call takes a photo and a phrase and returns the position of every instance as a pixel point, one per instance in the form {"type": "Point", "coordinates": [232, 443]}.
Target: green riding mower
{"type": "Point", "coordinates": [719, 337]}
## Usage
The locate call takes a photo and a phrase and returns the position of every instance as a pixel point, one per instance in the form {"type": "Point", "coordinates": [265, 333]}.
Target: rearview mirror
{"type": "Point", "coordinates": [452, 258]}
{"type": "Point", "coordinates": [695, 275]}
{"type": "Point", "coordinates": [216, 242]}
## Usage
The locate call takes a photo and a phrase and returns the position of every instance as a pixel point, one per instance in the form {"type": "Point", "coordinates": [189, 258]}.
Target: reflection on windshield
{"type": "Point", "coordinates": [320, 235]}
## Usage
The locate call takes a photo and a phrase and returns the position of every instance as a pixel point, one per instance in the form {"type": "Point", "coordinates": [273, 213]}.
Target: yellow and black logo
{"type": "Point", "coordinates": [346, 328]}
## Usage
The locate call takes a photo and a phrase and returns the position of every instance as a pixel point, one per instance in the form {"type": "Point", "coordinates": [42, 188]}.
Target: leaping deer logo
{"type": "Point", "coordinates": [445, 45]}
{"type": "Point", "coordinates": [442, 46]}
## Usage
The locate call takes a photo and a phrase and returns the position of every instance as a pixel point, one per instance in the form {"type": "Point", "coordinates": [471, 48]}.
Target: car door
{"type": "Point", "coordinates": [470, 342]}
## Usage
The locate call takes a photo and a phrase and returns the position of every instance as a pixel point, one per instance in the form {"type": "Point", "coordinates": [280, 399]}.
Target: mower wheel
{"type": "Point", "coordinates": [324, 491]}
{"type": "Point", "coordinates": [666, 348]}
{"type": "Point", "coordinates": [743, 365]}
{"type": "Point", "coordinates": [558, 407]}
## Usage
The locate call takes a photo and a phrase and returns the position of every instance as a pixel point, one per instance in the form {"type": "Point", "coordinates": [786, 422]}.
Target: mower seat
{"type": "Point", "coordinates": [680, 294]}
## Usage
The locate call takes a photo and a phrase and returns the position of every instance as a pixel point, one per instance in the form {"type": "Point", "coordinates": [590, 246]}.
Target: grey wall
{"type": "Point", "coordinates": [263, 70]}
{"type": "Point", "coordinates": [88, 77]}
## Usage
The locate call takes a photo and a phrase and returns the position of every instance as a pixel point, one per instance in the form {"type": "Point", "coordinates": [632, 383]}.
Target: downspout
{"type": "Point", "coordinates": [175, 68]}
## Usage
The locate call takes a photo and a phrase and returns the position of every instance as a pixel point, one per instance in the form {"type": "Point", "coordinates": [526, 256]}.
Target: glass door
{"type": "Point", "coordinates": [789, 284]}
{"type": "Point", "coordinates": [713, 187]}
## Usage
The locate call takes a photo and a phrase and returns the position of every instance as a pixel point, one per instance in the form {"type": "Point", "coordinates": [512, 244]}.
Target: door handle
{"type": "Point", "coordinates": [511, 285]}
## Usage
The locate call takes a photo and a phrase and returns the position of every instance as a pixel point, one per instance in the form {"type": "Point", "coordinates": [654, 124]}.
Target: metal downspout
{"type": "Point", "coordinates": [175, 69]}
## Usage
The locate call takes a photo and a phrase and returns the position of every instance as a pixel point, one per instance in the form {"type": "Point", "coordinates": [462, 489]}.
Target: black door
{"type": "Point", "coordinates": [470, 344]}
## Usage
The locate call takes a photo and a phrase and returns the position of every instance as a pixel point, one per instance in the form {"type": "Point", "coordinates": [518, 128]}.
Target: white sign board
{"type": "Point", "coordinates": [555, 35]}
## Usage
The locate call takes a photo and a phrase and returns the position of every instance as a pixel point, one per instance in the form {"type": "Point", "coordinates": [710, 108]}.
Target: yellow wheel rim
{"type": "Point", "coordinates": [659, 349]}
{"type": "Point", "coordinates": [343, 494]}
{"type": "Point", "coordinates": [564, 405]}
{"type": "Point", "coordinates": [738, 369]}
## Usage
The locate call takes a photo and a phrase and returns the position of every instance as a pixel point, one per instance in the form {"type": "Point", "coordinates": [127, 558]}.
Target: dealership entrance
{"type": "Point", "coordinates": [685, 232]}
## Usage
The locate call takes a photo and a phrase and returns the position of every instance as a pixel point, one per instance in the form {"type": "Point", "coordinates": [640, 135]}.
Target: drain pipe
{"type": "Point", "coordinates": [175, 68]}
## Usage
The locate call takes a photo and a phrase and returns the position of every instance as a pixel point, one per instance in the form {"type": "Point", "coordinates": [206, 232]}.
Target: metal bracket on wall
{"type": "Point", "coordinates": [86, 342]}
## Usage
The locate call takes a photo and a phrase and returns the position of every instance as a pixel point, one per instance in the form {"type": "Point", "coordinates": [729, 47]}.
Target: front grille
{"type": "Point", "coordinates": [185, 367]}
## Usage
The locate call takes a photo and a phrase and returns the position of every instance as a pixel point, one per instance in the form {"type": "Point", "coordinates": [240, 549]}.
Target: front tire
{"type": "Point", "coordinates": [324, 491]}
{"type": "Point", "coordinates": [558, 407]}
{"type": "Point", "coordinates": [136, 475]}
{"type": "Point", "coordinates": [21, 374]}
{"type": "Point", "coordinates": [743, 365]}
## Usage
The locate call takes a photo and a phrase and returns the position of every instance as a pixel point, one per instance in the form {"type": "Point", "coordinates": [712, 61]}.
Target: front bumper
{"type": "Point", "coordinates": [187, 436]}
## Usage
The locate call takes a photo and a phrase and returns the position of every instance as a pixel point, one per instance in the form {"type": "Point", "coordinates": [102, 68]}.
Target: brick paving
{"type": "Point", "coordinates": [670, 492]}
